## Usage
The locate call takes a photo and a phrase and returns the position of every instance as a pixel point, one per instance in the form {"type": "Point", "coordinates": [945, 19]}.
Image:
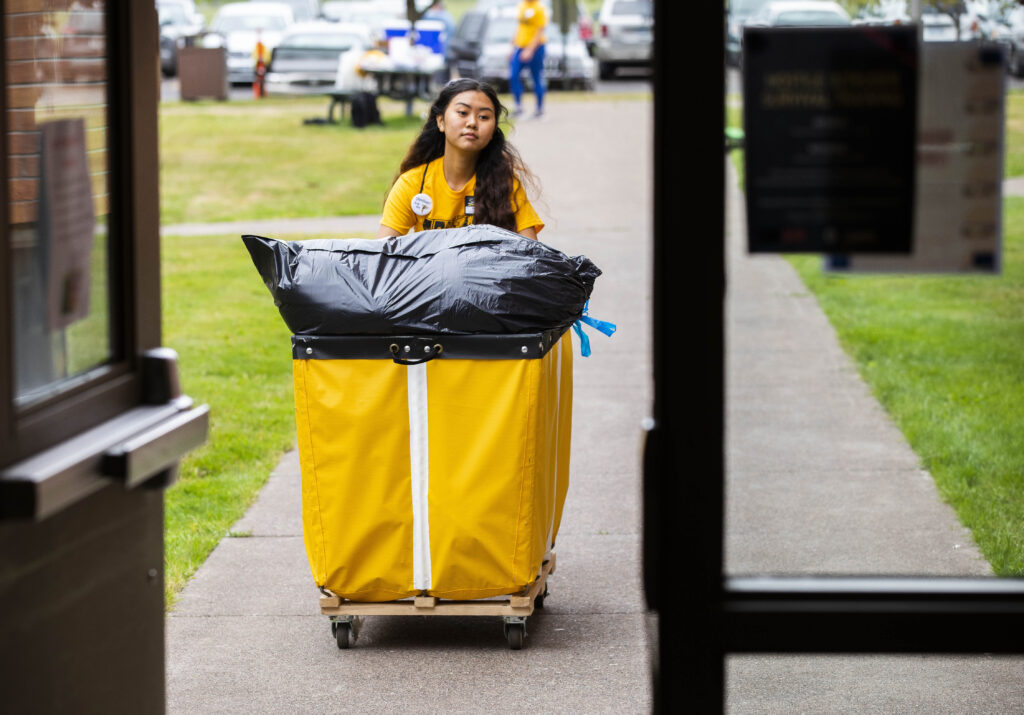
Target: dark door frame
{"type": "Point", "coordinates": [132, 44]}
{"type": "Point", "coordinates": [702, 615]}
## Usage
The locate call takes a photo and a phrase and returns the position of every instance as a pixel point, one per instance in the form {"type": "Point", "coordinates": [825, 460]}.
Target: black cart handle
{"type": "Point", "coordinates": [429, 354]}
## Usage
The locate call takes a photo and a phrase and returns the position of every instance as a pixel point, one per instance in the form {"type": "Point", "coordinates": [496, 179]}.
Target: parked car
{"type": "Point", "coordinates": [373, 13]}
{"type": "Point", "coordinates": [189, 6]}
{"type": "Point", "coordinates": [937, 26]}
{"type": "Point", "coordinates": [982, 19]}
{"type": "Point", "coordinates": [493, 63]}
{"type": "Point", "coordinates": [303, 10]}
{"type": "Point", "coordinates": [885, 12]}
{"type": "Point", "coordinates": [800, 13]}
{"type": "Point", "coordinates": [579, 70]}
{"type": "Point", "coordinates": [239, 24]}
{"type": "Point", "coordinates": [1011, 38]}
{"type": "Point", "coordinates": [738, 12]}
{"type": "Point", "coordinates": [624, 36]}
{"type": "Point", "coordinates": [584, 21]}
{"type": "Point", "coordinates": [797, 13]}
{"type": "Point", "coordinates": [306, 59]}
{"type": "Point", "coordinates": [464, 48]}
{"type": "Point", "coordinates": [586, 28]}
{"type": "Point", "coordinates": [492, 66]}
{"type": "Point", "coordinates": [175, 26]}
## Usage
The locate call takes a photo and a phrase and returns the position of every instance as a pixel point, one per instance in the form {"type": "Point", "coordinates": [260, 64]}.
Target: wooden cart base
{"type": "Point", "coordinates": [346, 616]}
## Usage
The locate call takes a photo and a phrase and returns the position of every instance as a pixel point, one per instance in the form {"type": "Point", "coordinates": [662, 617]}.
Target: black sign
{"type": "Point", "coordinates": [830, 121]}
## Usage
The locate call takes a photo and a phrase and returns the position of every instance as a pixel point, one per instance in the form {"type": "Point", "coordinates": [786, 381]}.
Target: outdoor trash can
{"type": "Point", "coordinates": [433, 403]}
{"type": "Point", "coordinates": [203, 73]}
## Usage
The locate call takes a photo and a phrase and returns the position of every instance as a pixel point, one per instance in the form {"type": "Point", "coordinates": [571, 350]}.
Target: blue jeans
{"type": "Point", "coordinates": [536, 66]}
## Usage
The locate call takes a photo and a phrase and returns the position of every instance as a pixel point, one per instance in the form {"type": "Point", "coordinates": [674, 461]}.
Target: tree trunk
{"type": "Point", "coordinates": [411, 12]}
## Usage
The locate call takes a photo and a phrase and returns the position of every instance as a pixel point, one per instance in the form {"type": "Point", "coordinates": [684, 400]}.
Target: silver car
{"type": "Point", "coordinates": [176, 25]}
{"type": "Point", "coordinates": [237, 26]}
{"type": "Point", "coordinates": [373, 13]}
{"type": "Point", "coordinates": [623, 37]}
{"type": "Point", "coordinates": [304, 10]}
{"type": "Point", "coordinates": [306, 59]}
{"type": "Point", "coordinates": [579, 70]}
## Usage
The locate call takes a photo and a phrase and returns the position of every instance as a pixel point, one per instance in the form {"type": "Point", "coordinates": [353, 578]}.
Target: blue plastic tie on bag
{"type": "Point", "coordinates": [584, 340]}
{"type": "Point", "coordinates": [600, 325]}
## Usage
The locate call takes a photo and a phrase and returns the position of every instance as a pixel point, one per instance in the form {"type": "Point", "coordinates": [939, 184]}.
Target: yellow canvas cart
{"type": "Point", "coordinates": [434, 471]}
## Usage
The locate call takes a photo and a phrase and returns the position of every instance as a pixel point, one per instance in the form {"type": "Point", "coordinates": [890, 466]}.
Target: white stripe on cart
{"type": "Point", "coordinates": [419, 463]}
{"type": "Point", "coordinates": [557, 357]}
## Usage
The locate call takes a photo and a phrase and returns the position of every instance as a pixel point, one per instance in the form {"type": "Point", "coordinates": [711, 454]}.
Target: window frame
{"type": "Point", "coordinates": [132, 42]}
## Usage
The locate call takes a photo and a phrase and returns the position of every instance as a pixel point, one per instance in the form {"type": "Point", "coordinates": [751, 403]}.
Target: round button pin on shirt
{"type": "Point", "coordinates": [421, 204]}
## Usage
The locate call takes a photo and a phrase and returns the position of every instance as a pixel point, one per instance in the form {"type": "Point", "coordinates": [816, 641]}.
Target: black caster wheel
{"type": "Point", "coordinates": [334, 629]}
{"type": "Point", "coordinates": [539, 601]}
{"type": "Point", "coordinates": [343, 633]}
{"type": "Point", "coordinates": [515, 632]}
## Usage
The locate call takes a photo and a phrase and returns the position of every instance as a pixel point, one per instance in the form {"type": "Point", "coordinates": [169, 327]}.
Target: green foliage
{"type": "Point", "coordinates": [1013, 164]}
{"type": "Point", "coordinates": [945, 356]}
{"type": "Point", "coordinates": [734, 119]}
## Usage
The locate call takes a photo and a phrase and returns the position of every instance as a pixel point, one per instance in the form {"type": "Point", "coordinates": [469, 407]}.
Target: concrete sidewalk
{"type": "Point", "coordinates": [1014, 186]}
{"type": "Point", "coordinates": [246, 635]}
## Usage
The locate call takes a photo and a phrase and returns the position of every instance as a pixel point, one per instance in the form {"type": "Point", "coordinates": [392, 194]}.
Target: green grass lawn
{"type": "Point", "coordinates": [734, 118]}
{"type": "Point", "coordinates": [1014, 165]}
{"type": "Point", "coordinates": [257, 160]}
{"type": "Point", "coordinates": [222, 161]}
{"type": "Point", "coordinates": [234, 355]}
{"type": "Point", "coordinates": [945, 357]}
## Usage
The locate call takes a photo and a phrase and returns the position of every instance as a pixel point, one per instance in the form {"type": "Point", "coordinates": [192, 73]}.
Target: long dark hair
{"type": "Point", "coordinates": [496, 165]}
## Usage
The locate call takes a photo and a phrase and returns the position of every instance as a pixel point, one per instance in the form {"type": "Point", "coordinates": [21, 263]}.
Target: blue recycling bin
{"type": "Point", "coordinates": [396, 28]}
{"type": "Point", "coordinates": [431, 33]}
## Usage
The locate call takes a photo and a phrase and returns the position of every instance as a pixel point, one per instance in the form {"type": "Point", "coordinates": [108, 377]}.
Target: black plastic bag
{"type": "Point", "coordinates": [477, 279]}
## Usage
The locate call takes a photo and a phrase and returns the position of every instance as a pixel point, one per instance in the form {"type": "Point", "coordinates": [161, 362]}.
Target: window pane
{"type": "Point", "coordinates": [58, 192]}
{"type": "Point", "coordinates": [870, 427]}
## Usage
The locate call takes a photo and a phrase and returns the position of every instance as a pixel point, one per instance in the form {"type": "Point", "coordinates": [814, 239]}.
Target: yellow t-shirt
{"type": "Point", "coordinates": [533, 18]}
{"type": "Point", "coordinates": [451, 209]}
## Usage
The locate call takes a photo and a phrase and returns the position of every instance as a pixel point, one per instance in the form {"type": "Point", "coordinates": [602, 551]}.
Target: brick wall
{"type": "Point", "coordinates": [56, 69]}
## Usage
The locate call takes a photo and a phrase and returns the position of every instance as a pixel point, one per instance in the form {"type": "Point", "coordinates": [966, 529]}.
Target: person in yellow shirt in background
{"type": "Point", "coordinates": [528, 51]}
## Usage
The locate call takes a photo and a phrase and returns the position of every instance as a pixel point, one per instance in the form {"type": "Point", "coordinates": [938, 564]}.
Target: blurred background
{"type": "Point", "coordinates": [309, 47]}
